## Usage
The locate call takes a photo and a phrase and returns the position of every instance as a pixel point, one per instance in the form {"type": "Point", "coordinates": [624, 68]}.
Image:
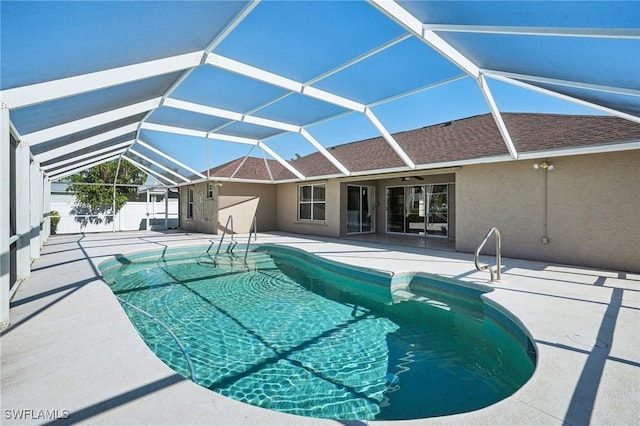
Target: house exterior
{"type": "Point", "coordinates": [584, 209]}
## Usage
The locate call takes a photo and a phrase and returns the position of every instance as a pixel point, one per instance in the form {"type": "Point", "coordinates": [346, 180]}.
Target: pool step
{"type": "Point", "coordinates": [404, 295]}
{"type": "Point", "coordinates": [230, 261]}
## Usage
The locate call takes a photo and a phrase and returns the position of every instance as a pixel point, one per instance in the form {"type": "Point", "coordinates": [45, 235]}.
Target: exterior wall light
{"type": "Point", "coordinates": [544, 165]}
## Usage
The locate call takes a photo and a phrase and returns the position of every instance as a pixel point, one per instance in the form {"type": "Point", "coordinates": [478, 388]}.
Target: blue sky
{"type": "Point", "coordinates": [302, 41]}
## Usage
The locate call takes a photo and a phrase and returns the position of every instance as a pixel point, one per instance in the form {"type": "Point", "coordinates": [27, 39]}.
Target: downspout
{"type": "Point", "coordinates": [545, 238]}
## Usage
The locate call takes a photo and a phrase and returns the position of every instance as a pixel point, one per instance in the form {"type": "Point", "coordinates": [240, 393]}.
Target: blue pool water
{"type": "Point", "coordinates": [290, 332]}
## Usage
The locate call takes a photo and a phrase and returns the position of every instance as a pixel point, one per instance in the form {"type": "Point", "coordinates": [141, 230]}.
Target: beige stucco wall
{"type": "Point", "coordinates": [593, 209]}
{"type": "Point", "coordinates": [288, 210]}
{"type": "Point", "coordinates": [205, 210]}
{"type": "Point", "coordinates": [243, 200]}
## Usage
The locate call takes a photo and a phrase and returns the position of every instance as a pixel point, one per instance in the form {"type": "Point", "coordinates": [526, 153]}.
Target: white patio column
{"type": "Point", "coordinates": [5, 209]}
{"type": "Point", "coordinates": [46, 209]}
{"type": "Point", "coordinates": [23, 217]}
{"type": "Point", "coordinates": [166, 208]}
{"type": "Point", "coordinates": [35, 196]}
{"type": "Point", "coordinates": [147, 224]}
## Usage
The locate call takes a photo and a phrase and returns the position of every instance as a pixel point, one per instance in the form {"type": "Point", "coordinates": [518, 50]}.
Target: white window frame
{"type": "Point", "coordinates": [189, 203]}
{"type": "Point", "coordinates": [312, 202]}
{"type": "Point", "coordinates": [210, 190]}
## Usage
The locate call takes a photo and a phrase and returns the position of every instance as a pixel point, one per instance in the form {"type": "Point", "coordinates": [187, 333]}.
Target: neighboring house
{"type": "Point", "coordinates": [584, 210]}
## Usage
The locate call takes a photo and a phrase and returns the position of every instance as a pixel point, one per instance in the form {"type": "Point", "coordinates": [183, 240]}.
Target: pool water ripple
{"type": "Point", "coordinates": [282, 334]}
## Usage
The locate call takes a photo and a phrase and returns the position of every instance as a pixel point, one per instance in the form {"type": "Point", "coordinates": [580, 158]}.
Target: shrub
{"type": "Point", "coordinates": [55, 218]}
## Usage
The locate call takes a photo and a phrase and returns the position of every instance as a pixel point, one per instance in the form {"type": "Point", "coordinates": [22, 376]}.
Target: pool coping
{"type": "Point", "coordinates": [588, 363]}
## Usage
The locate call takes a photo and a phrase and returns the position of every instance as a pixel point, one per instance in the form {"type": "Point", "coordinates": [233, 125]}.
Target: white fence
{"type": "Point", "coordinates": [133, 216]}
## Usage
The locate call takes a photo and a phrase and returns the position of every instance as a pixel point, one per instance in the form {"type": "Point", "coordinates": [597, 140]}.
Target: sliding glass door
{"type": "Point", "coordinates": [360, 209]}
{"type": "Point", "coordinates": [438, 211]}
{"type": "Point", "coordinates": [418, 210]}
{"type": "Point", "coordinates": [415, 212]}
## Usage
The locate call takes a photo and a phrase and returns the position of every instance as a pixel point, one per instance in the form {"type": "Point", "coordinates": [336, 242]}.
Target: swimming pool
{"type": "Point", "coordinates": [292, 332]}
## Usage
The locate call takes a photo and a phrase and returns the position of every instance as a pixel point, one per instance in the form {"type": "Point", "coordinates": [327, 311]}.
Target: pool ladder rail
{"type": "Point", "coordinates": [495, 274]}
{"type": "Point", "coordinates": [233, 243]}
{"type": "Point", "coordinates": [168, 329]}
{"type": "Point", "coordinates": [229, 226]}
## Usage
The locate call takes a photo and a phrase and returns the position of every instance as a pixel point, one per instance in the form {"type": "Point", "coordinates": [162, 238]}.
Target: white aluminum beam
{"type": "Point", "coordinates": [360, 58]}
{"type": "Point", "coordinates": [155, 163]}
{"type": "Point", "coordinates": [230, 115]}
{"type": "Point", "coordinates": [71, 127]}
{"type": "Point", "coordinates": [332, 98]}
{"type": "Point", "coordinates": [411, 23]}
{"type": "Point", "coordinates": [35, 208]}
{"type": "Point", "coordinates": [46, 209]}
{"type": "Point", "coordinates": [251, 119]}
{"type": "Point", "coordinates": [232, 26]}
{"type": "Point", "coordinates": [390, 140]}
{"type": "Point", "coordinates": [593, 149]}
{"type": "Point", "coordinates": [242, 162]}
{"type": "Point", "coordinates": [85, 143]}
{"type": "Point", "coordinates": [620, 33]}
{"type": "Point", "coordinates": [281, 160]}
{"type": "Point", "coordinates": [43, 92]}
{"type": "Point", "coordinates": [5, 213]}
{"type": "Point", "coordinates": [83, 164]}
{"type": "Point", "coordinates": [78, 169]}
{"type": "Point", "coordinates": [564, 97]}
{"type": "Point", "coordinates": [280, 81]}
{"type": "Point", "coordinates": [253, 72]}
{"type": "Point", "coordinates": [87, 155]}
{"type": "Point", "coordinates": [173, 160]}
{"type": "Point", "coordinates": [415, 91]}
{"type": "Point", "coordinates": [266, 164]}
{"type": "Point", "coordinates": [202, 109]}
{"type": "Point", "coordinates": [23, 223]}
{"type": "Point", "coordinates": [333, 71]}
{"type": "Point", "coordinates": [197, 133]}
{"type": "Point", "coordinates": [23, 206]}
{"type": "Point", "coordinates": [173, 129]}
{"type": "Point", "coordinates": [322, 150]}
{"type": "Point", "coordinates": [566, 83]}
{"type": "Point", "coordinates": [229, 138]}
{"type": "Point", "coordinates": [504, 132]}
{"type": "Point", "coordinates": [217, 40]}
{"type": "Point", "coordinates": [149, 171]}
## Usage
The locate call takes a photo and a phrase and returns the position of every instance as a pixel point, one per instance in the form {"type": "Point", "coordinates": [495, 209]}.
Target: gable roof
{"type": "Point", "coordinates": [251, 168]}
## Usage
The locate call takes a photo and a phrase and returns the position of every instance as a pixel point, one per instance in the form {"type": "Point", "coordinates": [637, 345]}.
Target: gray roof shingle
{"type": "Point", "coordinates": [465, 139]}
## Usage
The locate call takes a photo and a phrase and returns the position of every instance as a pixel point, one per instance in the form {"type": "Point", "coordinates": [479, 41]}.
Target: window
{"type": "Point", "coordinates": [209, 190]}
{"type": "Point", "coordinates": [311, 202]}
{"type": "Point", "coordinates": [190, 203]}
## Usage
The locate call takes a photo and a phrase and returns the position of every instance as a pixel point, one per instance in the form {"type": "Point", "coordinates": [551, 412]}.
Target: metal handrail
{"type": "Point", "coordinates": [168, 329]}
{"type": "Point", "coordinates": [255, 234]}
{"type": "Point", "coordinates": [224, 232]}
{"type": "Point", "coordinates": [479, 267]}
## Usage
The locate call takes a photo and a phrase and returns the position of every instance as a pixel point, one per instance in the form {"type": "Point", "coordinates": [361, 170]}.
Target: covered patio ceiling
{"type": "Point", "coordinates": [177, 88]}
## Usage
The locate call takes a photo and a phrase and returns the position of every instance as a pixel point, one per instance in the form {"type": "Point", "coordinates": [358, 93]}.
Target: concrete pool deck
{"type": "Point", "coordinates": [71, 349]}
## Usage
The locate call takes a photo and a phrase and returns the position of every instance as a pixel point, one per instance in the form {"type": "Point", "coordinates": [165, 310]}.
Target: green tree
{"type": "Point", "coordinates": [94, 203]}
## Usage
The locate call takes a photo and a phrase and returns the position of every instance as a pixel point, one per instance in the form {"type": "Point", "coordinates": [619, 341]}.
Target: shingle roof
{"type": "Point", "coordinates": [465, 139]}
{"type": "Point", "coordinates": [253, 168]}
{"type": "Point", "coordinates": [540, 132]}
